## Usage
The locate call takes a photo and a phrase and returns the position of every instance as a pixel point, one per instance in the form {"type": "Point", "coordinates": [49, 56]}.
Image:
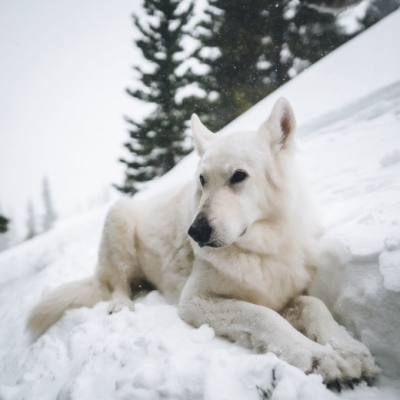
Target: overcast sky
{"type": "Point", "coordinates": [64, 66]}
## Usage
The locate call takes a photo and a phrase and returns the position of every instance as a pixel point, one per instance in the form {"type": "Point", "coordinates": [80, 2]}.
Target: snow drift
{"type": "Point", "coordinates": [348, 109]}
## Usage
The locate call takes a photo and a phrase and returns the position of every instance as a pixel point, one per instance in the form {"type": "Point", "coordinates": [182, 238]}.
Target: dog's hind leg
{"type": "Point", "coordinates": [311, 317]}
{"type": "Point", "coordinates": [118, 264]}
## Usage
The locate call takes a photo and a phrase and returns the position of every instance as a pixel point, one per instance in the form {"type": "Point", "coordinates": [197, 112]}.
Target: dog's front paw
{"type": "Point", "coordinates": [324, 361]}
{"type": "Point", "coordinates": [340, 368]}
{"type": "Point", "coordinates": [117, 305]}
{"type": "Point", "coordinates": [359, 359]}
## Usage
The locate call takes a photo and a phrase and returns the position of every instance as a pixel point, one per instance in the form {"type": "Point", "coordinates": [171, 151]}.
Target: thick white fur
{"type": "Point", "coordinates": [249, 287]}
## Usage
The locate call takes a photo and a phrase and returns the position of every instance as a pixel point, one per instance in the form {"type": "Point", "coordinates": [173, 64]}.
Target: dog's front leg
{"type": "Point", "coordinates": [310, 316]}
{"type": "Point", "coordinates": [118, 263]}
{"type": "Point", "coordinates": [261, 329]}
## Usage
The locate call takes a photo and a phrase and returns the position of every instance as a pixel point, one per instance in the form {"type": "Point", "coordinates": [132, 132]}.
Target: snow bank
{"type": "Point", "coordinates": [348, 107]}
{"type": "Point", "coordinates": [360, 199]}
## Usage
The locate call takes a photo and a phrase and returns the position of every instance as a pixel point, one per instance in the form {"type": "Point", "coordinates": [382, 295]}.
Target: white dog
{"type": "Point", "coordinates": [235, 249]}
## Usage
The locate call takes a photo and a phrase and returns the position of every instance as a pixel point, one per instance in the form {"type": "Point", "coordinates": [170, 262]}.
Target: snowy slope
{"type": "Point", "coordinates": [348, 108]}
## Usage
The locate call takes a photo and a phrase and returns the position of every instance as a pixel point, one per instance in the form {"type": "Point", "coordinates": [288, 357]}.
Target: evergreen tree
{"type": "Point", "coordinates": [8, 233]}
{"type": "Point", "coordinates": [377, 10]}
{"type": "Point", "coordinates": [49, 213]}
{"type": "Point", "coordinates": [31, 222]}
{"type": "Point", "coordinates": [232, 46]}
{"type": "Point", "coordinates": [311, 36]}
{"type": "Point", "coordinates": [4, 224]}
{"type": "Point", "coordinates": [252, 48]}
{"type": "Point", "coordinates": [158, 143]}
{"type": "Point", "coordinates": [5, 233]}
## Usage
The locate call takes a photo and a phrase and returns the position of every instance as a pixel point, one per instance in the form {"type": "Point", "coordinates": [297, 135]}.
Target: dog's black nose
{"type": "Point", "coordinates": [200, 230]}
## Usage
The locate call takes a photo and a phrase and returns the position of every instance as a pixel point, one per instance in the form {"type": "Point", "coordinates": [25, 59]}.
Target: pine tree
{"type": "Point", "coordinates": [5, 233]}
{"type": "Point", "coordinates": [253, 48]}
{"type": "Point", "coordinates": [158, 142]}
{"type": "Point", "coordinates": [8, 230]}
{"type": "Point", "coordinates": [49, 213]}
{"type": "Point", "coordinates": [31, 222]}
{"type": "Point", "coordinates": [311, 36]}
{"type": "Point", "coordinates": [4, 224]}
{"type": "Point", "coordinates": [232, 47]}
{"type": "Point", "coordinates": [377, 10]}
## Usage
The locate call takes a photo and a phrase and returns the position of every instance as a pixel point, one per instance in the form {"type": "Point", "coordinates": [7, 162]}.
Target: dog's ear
{"type": "Point", "coordinates": [280, 125]}
{"type": "Point", "coordinates": [202, 136]}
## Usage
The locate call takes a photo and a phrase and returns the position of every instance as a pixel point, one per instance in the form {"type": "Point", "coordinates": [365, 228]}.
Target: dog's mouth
{"type": "Point", "coordinates": [214, 245]}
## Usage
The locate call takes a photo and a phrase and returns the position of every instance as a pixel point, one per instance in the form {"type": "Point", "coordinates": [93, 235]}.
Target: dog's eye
{"type": "Point", "coordinates": [202, 180]}
{"type": "Point", "coordinates": [238, 176]}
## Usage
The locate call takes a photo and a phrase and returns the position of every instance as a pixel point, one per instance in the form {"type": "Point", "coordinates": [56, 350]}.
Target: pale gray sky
{"type": "Point", "coordinates": [64, 66]}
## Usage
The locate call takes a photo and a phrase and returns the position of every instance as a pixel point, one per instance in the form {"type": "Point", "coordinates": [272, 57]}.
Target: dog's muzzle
{"type": "Point", "coordinates": [200, 231]}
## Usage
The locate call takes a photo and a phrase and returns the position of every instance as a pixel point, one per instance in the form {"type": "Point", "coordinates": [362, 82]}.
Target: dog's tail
{"type": "Point", "coordinates": [83, 293]}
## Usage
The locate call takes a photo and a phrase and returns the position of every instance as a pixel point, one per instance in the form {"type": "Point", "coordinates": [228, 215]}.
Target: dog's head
{"type": "Point", "coordinates": [238, 176]}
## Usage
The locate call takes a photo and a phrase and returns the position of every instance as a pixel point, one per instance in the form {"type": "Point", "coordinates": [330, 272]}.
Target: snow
{"type": "Point", "coordinates": [389, 268]}
{"type": "Point", "coordinates": [348, 109]}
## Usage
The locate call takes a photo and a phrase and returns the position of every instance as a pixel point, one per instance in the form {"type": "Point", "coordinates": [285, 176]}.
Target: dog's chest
{"type": "Point", "coordinates": [266, 280]}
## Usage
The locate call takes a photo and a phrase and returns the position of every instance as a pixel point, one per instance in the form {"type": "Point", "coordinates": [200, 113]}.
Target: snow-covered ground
{"type": "Point", "coordinates": [348, 108]}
